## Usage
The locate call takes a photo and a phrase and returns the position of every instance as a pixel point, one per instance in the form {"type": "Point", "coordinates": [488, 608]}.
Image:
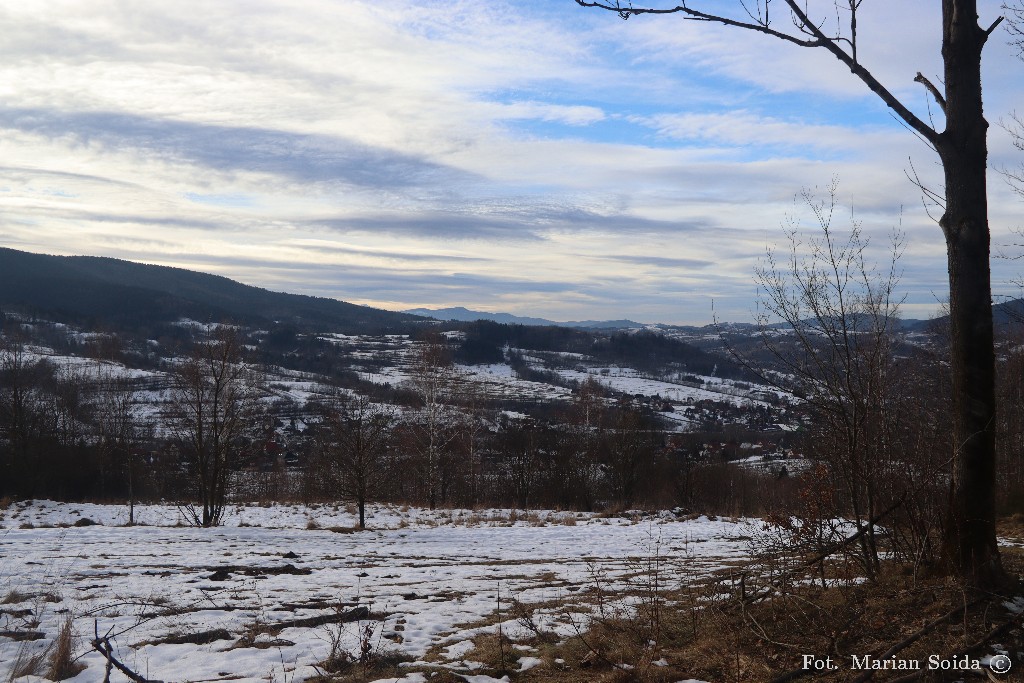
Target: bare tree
{"type": "Point", "coordinates": [840, 314]}
{"type": "Point", "coordinates": [21, 415]}
{"type": "Point", "coordinates": [119, 429]}
{"type": "Point", "coordinates": [435, 427]}
{"type": "Point", "coordinates": [356, 446]}
{"type": "Point", "coordinates": [520, 459]}
{"type": "Point", "coordinates": [970, 547]}
{"type": "Point", "coordinates": [213, 408]}
{"type": "Point", "coordinates": [579, 456]}
{"type": "Point", "coordinates": [628, 456]}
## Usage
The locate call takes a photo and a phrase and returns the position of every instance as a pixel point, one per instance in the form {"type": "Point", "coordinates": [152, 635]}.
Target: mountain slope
{"type": "Point", "coordinates": [462, 314]}
{"type": "Point", "coordinates": [96, 289]}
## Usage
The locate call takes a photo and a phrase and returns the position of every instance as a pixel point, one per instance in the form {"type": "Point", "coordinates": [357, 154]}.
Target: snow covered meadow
{"type": "Point", "coordinates": [270, 594]}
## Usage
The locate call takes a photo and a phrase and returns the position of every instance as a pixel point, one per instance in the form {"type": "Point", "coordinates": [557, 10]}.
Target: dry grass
{"type": "Point", "coordinates": [61, 663]}
{"type": "Point", "coordinates": [708, 632]}
{"type": "Point", "coordinates": [27, 663]}
{"type": "Point", "coordinates": [370, 663]}
{"type": "Point", "coordinates": [716, 629]}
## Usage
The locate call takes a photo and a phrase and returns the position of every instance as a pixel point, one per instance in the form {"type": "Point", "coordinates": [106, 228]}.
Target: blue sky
{"type": "Point", "coordinates": [533, 157]}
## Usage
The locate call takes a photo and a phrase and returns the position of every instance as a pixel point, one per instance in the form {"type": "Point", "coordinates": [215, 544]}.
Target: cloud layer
{"type": "Point", "coordinates": [531, 156]}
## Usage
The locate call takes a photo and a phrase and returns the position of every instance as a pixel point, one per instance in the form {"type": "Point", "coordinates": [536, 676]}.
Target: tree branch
{"type": "Point", "coordinates": [867, 77]}
{"type": "Point", "coordinates": [806, 26]}
{"type": "Point", "coordinates": [995, 24]}
{"type": "Point", "coordinates": [923, 80]}
{"type": "Point", "coordinates": [696, 15]}
{"type": "Point", "coordinates": [103, 646]}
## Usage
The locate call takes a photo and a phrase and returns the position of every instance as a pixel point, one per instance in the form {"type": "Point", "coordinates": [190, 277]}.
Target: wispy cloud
{"type": "Point", "coordinates": [525, 156]}
{"type": "Point", "coordinates": [299, 157]}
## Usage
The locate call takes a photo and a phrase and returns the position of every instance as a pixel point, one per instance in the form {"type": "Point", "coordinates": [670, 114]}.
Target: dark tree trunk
{"type": "Point", "coordinates": [970, 545]}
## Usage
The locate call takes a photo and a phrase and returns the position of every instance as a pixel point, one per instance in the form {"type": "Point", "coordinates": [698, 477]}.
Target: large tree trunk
{"type": "Point", "coordinates": [970, 545]}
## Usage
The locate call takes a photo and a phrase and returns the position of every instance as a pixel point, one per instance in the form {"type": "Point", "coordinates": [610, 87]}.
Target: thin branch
{"type": "Point", "coordinates": [991, 28]}
{"type": "Point", "coordinates": [923, 80]}
{"type": "Point", "coordinates": [926, 193]}
{"type": "Point", "coordinates": [803, 23]}
{"type": "Point", "coordinates": [696, 15]}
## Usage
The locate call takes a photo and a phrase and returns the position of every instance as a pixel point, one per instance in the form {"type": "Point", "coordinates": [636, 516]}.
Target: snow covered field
{"type": "Point", "coordinates": [632, 382]}
{"type": "Point", "coordinates": [430, 580]}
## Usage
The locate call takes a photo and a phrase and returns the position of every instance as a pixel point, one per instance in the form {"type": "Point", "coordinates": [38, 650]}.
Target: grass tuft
{"type": "Point", "coordinates": [61, 663]}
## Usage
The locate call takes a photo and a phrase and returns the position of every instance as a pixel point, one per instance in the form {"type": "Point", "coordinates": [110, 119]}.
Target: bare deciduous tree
{"type": "Point", "coordinates": [213, 408]}
{"type": "Point", "coordinates": [21, 415]}
{"type": "Point", "coordinates": [840, 316]}
{"type": "Point", "coordinates": [435, 427]}
{"type": "Point", "coordinates": [970, 547]}
{"type": "Point", "coordinates": [119, 429]}
{"type": "Point", "coordinates": [358, 436]}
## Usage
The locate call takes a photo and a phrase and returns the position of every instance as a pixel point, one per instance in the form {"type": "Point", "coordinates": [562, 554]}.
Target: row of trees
{"type": "Point", "coordinates": [75, 433]}
{"type": "Point", "coordinates": [877, 408]}
{"type": "Point", "coordinates": [365, 452]}
{"type": "Point", "coordinates": [71, 431]}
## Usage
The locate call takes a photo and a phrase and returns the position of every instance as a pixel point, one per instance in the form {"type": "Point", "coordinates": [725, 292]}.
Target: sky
{"type": "Point", "coordinates": [530, 156]}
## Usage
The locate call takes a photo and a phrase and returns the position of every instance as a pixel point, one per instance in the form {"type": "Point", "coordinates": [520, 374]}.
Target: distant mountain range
{"type": "Point", "coordinates": [465, 315]}
{"type": "Point", "coordinates": [96, 291]}
{"type": "Point", "coordinates": [91, 290]}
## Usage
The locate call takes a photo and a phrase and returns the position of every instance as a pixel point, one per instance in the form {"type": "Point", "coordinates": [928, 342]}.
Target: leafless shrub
{"type": "Point", "coordinates": [368, 657]}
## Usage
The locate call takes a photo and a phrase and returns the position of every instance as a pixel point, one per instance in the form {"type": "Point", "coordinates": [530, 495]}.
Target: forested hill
{"type": "Point", "coordinates": [90, 291]}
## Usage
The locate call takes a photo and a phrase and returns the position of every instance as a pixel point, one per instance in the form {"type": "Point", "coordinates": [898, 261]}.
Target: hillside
{"type": "Point", "coordinates": [92, 291]}
{"type": "Point", "coordinates": [462, 314]}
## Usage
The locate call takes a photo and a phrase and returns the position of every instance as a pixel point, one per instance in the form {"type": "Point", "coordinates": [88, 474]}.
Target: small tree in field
{"type": "Point", "coordinates": [356, 443]}
{"type": "Point", "coordinates": [119, 429]}
{"type": "Point", "coordinates": [213, 408]}
{"type": "Point", "coordinates": [435, 430]}
{"type": "Point", "coordinates": [970, 547]}
{"type": "Point", "coordinates": [839, 315]}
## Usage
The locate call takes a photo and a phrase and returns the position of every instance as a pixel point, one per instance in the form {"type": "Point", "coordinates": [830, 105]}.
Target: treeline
{"type": "Point", "coordinates": [207, 434]}
{"type": "Point", "coordinates": [212, 435]}
{"type": "Point", "coordinates": [645, 350]}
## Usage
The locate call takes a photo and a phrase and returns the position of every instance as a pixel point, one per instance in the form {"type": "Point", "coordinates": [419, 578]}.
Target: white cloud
{"type": "Point", "coordinates": [535, 157]}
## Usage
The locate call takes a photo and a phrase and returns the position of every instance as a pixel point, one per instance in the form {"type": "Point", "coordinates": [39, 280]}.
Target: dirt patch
{"type": "Point", "coordinates": [22, 635]}
{"type": "Point", "coordinates": [224, 573]}
{"type": "Point", "coordinates": [201, 638]}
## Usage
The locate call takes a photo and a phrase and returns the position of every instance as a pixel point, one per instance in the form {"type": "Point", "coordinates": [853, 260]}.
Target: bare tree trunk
{"type": "Point", "coordinates": [970, 544]}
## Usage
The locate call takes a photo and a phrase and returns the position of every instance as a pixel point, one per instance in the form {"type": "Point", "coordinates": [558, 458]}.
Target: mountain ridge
{"type": "Point", "coordinates": [462, 314]}
{"type": "Point", "coordinates": [125, 292]}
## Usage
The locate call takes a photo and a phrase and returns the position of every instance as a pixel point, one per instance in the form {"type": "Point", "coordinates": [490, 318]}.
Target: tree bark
{"type": "Point", "coordinates": [970, 549]}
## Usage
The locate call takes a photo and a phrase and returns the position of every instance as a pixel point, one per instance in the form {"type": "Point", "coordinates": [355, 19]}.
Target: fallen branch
{"type": "Point", "coordinates": [806, 564]}
{"type": "Point", "coordinates": [203, 637]}
{"type": "Point", "coordinates": [103, 646]}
